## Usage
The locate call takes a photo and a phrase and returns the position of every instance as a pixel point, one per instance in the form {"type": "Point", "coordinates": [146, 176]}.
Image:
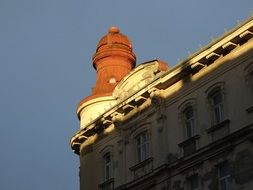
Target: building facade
{"type": "Point", "coordinates": [149, 126]}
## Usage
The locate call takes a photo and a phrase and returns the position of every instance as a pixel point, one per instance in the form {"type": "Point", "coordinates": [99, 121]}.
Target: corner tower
{"type": "Point", "coordinates": [113, 59]}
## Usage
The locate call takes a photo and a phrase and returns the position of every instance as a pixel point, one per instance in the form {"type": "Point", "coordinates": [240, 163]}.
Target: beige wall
{"type": "Point", "coordinates": [169, 167]}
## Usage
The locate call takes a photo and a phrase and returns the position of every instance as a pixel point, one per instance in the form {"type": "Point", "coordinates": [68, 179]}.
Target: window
{"type": "Point", "coordinates": [216, 101]}
{"type": "Point", "coordinates": [224, 176]}
{"type": "Point", "coordinates": [248, 72]}
{"type": "Point", "coordinates": [106, 169]}
{"type": "Point", "coordinates": [193, 182]}
{"type": "Point", "coordinates": [251, 80]}
{"type": "Point", "coordinates": [142, 143]}
{"type": "Point", "coordinates": [112, 80]}
{"type": "Point", "coordinates": [217, 107]}
{"type": "Point", "coordinates": [249, 77]}
{"type": "Point", "coordinates": [107, 166]}
{"type": "Point", "coordinates": [188, 119]}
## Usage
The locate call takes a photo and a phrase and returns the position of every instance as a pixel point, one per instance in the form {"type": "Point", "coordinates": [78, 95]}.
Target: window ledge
{"type": "Point", "coordinates": [141, 164]}
{"type": "Point", "coordinates": [218, 126]}
{"type": "Point", "coordinates": [107, 183]}
{"type": "Point", "coordinates": [190, 140]}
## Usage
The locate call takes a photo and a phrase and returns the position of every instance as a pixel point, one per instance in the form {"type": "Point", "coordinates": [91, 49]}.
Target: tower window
{"type": "Point", "coordinates": [142, 143]}
{"type": "Point", "coordinates": [112, 80]}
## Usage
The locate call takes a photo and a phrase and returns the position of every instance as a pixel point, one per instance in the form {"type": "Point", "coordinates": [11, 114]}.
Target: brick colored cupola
{"type": "Point", "coordinates": [112, 60]}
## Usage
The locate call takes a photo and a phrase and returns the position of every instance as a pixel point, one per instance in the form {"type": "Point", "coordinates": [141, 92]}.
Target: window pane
{"type": "Point", "coordinates": [139, 154]}
{"type": "Point", "coordinates": [144, 137]}
{"type": "Point", "coordinates": [189, 113]}
{"type": "Point", "coordinates": [142, 146]}
{"type": "Point", "coordinates": [107, 167]}
{"type": "Point", "coordinates": [217, 103]}
{"type": "Point", "coordinates": [145, 153]}
{"type": "Point", "coordinates": [223, 169]}
{"type": "Point", "coordinates": [217, 114]}
{"type": "Point", "coordinates": [224, 175]}
{"type": "Point", "coordinates": [189, 121]}
{"type": "Point", "coordinates": [189, 129]}
{"type": "Point", "coordinates": [107, 158]}
{"type": "Point", "coordinates": [224, 184]}
{"type": "Point", "coordinates": [194, 182]}
{"type": "Point", "coordinates": [217, 98]}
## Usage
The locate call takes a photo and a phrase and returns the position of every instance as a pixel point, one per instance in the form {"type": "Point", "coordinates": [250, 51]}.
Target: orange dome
{"type": "Point", "coordinates": [111, 44]}
{"type": "Point", "coordinates": [114, 37]}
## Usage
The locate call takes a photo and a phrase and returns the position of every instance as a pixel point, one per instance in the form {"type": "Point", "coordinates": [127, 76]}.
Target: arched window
{"type": "Point", "coordinates": [107, 158]}
{"type": "Point", "coordinates": [216, 97]}
{"type": "Point", "coordinates": [142, 146]}
{"type": "Point", "coordinates": [217, 104]}
{"type": "Point", "coordinates": [188, 120]}
{"type": "Point", "coordinates": [224, 175]}
{"type": "Point", "coordinates": [216, 101]}
{"type": "Point", "coordinates": [106, 167]}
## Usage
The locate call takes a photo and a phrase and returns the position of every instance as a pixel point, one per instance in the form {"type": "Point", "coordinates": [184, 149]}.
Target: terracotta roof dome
{"type": "Point", "coordinates": [114, 37]}
{"type": "Point", "coordinates": [113, 41]}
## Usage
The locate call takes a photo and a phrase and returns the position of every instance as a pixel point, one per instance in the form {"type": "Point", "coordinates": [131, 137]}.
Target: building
{"type": "Point", "coordinates": [183, 128]}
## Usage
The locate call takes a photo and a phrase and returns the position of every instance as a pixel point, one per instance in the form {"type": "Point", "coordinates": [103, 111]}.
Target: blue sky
{"type": "Point", "coordinates": [45, 69]}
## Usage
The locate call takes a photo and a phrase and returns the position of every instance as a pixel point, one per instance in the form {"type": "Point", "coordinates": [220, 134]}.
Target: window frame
{"type": "Point", "coordinates": [248, 72]}
{"type": "Point", "coordinates": [108, 170]}
{"type": "Point", "coordinates": [190, 181]}
{"type": "Point", "coordinates": [217, 106]}
{"type": "Point", "coordinates": [224, 177]}
{"type": "Point", "coordinates": [189, 104]}
{"type": "Point", "coordinates": [189, 121]}
{"type": "Point", "coordinates": [104, 152]}
{"type": "Point", "coordinates": [142, 141]}
{"type": "Point", "coordinates": [217, 89]}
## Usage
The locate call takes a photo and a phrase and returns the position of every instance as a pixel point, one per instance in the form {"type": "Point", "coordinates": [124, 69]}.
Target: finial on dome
{"type": "Point", "coordinates": [114, 29]}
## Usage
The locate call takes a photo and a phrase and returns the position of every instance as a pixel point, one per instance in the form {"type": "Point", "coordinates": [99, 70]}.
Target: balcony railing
{"type": "Point", "coordinates": [220, 130]}
{"type": "Point", "coordinates": [189, 146]}
{"type": "Point", "coordinates": [142, 168]}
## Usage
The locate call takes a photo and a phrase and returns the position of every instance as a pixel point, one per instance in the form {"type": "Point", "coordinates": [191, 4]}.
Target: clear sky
{"type": "Point", "coordinates": [45, 69]}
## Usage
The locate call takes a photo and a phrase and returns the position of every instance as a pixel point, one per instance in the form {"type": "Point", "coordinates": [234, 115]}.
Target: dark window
{"type": "Point", "coordinates": [217, 107]}
{"type": "Point", "coordinates": [188, 117]}
{"type": "Point", "coordinates": [107, 166]}
{"type": "Point", "coordinates": [142, 142]}
{"type": "Point", "coordinates": [224, 176]}
{"type": "Point", "coordinates": [193, 182]}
